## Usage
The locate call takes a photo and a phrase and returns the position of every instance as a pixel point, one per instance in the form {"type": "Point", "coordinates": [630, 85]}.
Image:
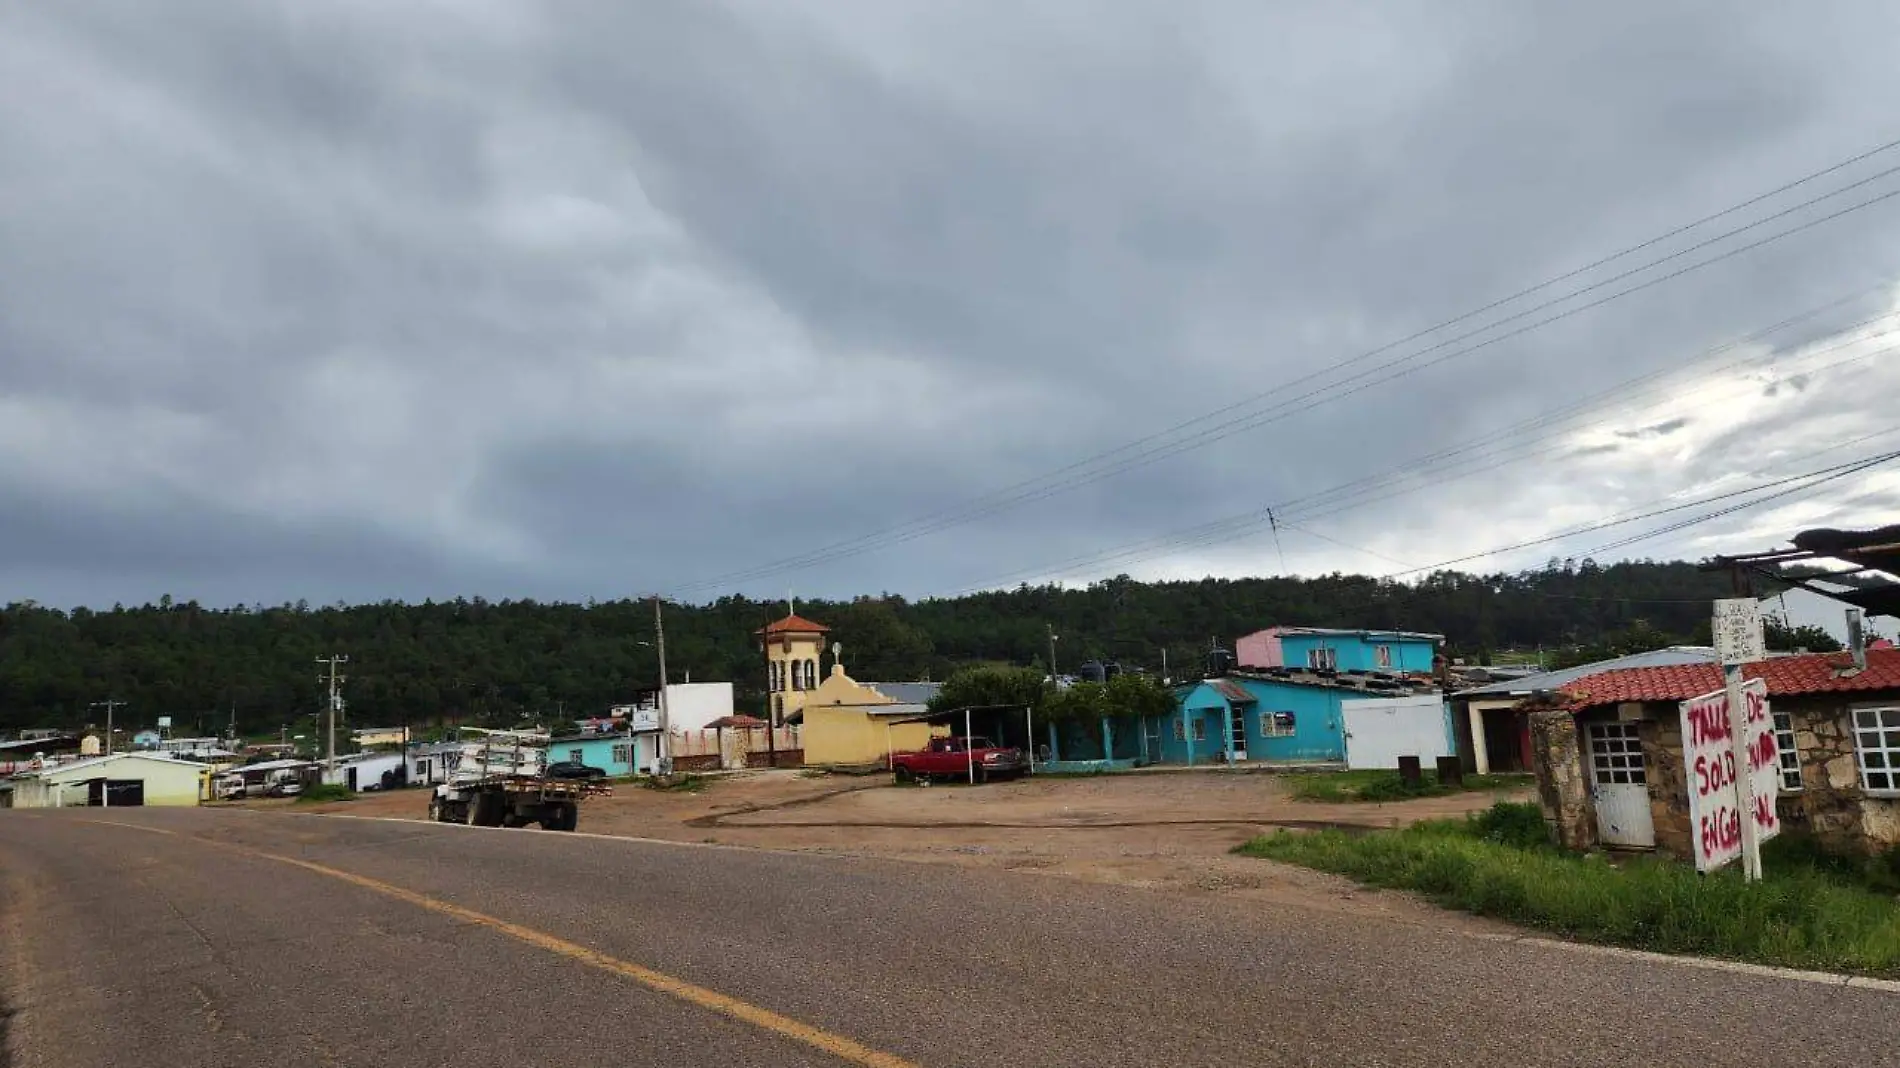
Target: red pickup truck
{"type": "Point", "coordinates": [957, 758]}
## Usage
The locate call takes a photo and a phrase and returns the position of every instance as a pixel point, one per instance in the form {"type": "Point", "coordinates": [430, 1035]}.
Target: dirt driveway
{"type": "Point", "coordinates": [1165, 831]}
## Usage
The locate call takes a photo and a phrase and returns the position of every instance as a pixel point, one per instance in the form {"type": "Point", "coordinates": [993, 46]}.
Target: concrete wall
{"type": "Point", "coordinates": [843, 736]}
{"type": "Point", "coordinates": [1261, 649]}
{"type": "Point", "coordinates": [692, 705]}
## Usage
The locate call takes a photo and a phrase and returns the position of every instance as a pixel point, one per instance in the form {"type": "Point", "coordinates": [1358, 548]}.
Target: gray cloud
{"type": "Point", "coordinates": [588, 299]}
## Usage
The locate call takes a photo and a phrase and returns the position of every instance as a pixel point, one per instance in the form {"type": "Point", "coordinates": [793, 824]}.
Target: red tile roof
{"type": "Point", "coordinates": [793, 624]}
{"type": "Point", "coordinates": [1786, 676]}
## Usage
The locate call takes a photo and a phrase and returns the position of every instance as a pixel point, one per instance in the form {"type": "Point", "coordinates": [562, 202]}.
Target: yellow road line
{"type": "Point", "coordinates": [818, 1038]}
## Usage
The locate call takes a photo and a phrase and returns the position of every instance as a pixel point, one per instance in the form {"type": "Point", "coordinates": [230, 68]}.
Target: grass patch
{"type": "Point", "coordinates": [1812, 911]}
{"type": "Point", "coordinates": [325, 791]}
{"type": "Point", "coordinates": [1348, 786]}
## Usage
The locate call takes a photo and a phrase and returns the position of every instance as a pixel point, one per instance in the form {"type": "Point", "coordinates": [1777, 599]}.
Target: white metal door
{"type": "Point", "coordinates": [1237, 726]}
{"type": "Point", "coordinates": [1620, 786]}
{"type": "Point", "coordinates": [1380, 730]}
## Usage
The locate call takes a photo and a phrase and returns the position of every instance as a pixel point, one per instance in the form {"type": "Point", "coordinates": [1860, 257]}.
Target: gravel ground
{"type": "Point", "coordinates": [1163, 831]}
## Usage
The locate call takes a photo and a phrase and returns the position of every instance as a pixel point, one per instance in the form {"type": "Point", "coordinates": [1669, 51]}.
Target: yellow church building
{"type": "Point", "coordinates": [842, 722]}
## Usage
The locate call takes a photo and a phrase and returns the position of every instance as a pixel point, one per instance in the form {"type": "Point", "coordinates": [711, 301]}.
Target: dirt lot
{"type": "Point", "coordinates": [1164, 831]}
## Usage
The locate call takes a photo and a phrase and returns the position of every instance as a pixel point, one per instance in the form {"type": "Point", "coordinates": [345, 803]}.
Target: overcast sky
{"type": "Point", "coordinates": [566, 300]}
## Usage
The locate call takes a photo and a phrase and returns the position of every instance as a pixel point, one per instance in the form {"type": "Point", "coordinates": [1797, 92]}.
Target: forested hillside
{"type": "Point", "coordinates": [494, 661]}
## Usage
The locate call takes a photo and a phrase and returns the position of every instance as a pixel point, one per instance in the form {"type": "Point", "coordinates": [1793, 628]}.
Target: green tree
{"type": "Point", "coordinates": [986, 685]}
{"type": "Point", "coordinates": [1787, 639]}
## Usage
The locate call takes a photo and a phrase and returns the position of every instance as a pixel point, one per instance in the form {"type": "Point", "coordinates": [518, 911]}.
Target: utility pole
{"type": "Point", "coordinates": [336, 700]}
{"type": "Point", "coordinates": [1052, 654]}
{"type": "Point", "coordinates": [665, 754]}
{"type": "Point", "coordinates": [108, 704]}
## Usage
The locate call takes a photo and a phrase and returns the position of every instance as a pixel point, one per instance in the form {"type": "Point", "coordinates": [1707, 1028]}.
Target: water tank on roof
{"type": "Point", "coordinates": [1110, 669]}
{"type": "Point", "coordinates": [1219, 662]}
{"type": "Point", "coordinates": [1093, 671]}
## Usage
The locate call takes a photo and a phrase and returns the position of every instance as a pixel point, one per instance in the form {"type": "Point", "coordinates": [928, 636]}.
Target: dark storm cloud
{"type": "Point", "coordinates": [582, 299]}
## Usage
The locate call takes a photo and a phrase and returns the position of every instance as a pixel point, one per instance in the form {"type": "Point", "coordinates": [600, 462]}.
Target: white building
{"type": "Point", "coordinates": [1799, 607]}
{"type": "Point", "coordinates": [123, 780]}
{"type": "Point", "coordinates": [690, 706]}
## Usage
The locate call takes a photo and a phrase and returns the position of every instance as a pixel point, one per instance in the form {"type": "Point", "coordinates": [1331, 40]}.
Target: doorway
{"type": "Point", "coordinates": [115, 793]}
{"type": "Point", "coordinates": [1620, 786]}
{"type": "Point", "coordinates": [1237, 727]}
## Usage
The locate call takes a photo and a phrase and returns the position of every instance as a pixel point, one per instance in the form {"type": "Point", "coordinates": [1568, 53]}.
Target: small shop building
{"type": "Point", "coordinates": [123, 780]}
{"type": "Point", "coordinates": [1609, 758]}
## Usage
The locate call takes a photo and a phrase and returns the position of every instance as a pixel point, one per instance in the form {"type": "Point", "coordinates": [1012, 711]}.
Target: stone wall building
{"type": "Point", "coordinates": [1837, 728]}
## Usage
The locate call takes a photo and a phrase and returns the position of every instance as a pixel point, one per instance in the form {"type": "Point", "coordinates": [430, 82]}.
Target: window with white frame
{"type": "Point", "coordinates": [623, 754]}
{"type": "Point", "coordinates": [1276, 724]}
{"type": "Point", "coordinates": [1180, 731]}
{"type": "Point", "coordinates": [1382, 655]}
{"type": "Point", "coordinates": [576, 755]}
{"type": "Point", "coordinates": [1322, 659]}
{"type": "Point", "coordinates": [1789, 756]}
{"type": "Point", "coordinates": [1877, 747]}
{"type": "Point", "coordinates": [1200, 730]}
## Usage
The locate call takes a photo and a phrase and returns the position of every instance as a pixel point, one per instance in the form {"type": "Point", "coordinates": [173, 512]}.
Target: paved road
{"type": "Point", "coordinates": [227, 937]}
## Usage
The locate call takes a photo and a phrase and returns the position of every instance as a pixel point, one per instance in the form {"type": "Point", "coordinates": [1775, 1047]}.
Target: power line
{"type": "Point", "coordinates": [1828, 474]}
{"type": "Point", "coordinates": [1245, 523]}
{"type": "Point", "coordinates": [1003, 499]}
{"type": "Point", "coordinates": [1615, 520]}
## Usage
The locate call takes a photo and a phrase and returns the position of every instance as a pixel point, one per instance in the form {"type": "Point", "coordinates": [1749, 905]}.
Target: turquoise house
{"type": "Point", "coordinates": [1257, 720]}
{"type": "Point", "coordinates": [1302, 717]}
{"type": "Point", "coordinates": [611, 753]}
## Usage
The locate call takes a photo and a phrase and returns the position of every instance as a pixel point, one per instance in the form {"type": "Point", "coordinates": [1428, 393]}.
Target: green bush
{"type": "Point", "coordinates": [325, 791]}
{"type": "Point", "coordinates": [1512, 823]}
{"type": "Point", "coordinates": [1806, 914]}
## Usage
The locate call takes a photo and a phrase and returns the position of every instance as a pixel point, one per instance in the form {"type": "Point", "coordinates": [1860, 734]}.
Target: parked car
{"type": "Point", "coordinates": [959, 758]}
{"type": "Point", "coordinates": [229, 788]}
{"type": "Point", "coordinates": [284, 788]}
{"type": "Point", "coordinates": [574, 769]}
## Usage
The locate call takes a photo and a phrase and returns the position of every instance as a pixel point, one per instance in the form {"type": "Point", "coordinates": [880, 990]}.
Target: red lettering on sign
{"type": "Point", "coordinates": [1763, 752]}
{"type": "Point", "coordinates": [1708, 723]}
{"type": "Point", "coordinates": [1757, 706]}
{"type": "Point", "coordinates": [1765, 816]}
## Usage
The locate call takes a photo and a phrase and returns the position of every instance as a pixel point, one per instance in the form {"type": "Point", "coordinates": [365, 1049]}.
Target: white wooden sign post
{"type": "Point", "coordinates": [1748, 729]}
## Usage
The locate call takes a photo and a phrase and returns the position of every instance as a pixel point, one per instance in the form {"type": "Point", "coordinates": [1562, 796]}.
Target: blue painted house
{"type": "Point", "coordinates": [1329, 649]}
{"type": "Point", "coordinates": [610, 752]}
{"type": "Point", "coordinates": [1285, 716]}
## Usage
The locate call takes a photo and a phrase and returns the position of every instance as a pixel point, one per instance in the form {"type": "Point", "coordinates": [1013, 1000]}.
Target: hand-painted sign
{"type": "Point", "coordinates": [1708, 751]}
{"type": "Point", "coordinates": [1738, 633]}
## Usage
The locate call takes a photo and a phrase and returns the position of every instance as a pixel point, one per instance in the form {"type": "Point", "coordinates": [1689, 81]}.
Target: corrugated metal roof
{"type": "Point", "coordinates": [1557, 680]}
{"type": "Point", "coordinates": [909, 693]}
{"type": "Point", "coordinates": [1232, 691]}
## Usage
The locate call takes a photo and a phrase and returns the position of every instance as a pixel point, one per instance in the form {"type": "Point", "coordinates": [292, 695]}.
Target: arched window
{"type": "Point", "coordinates": [798, 677]}
{"type": "Point", "coordinates": [778, 673]}
{"type": "Point", "coordinates": [811, 674]}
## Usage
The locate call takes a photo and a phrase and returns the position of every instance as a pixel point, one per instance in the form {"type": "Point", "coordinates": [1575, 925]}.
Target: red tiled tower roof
{"type": "Point", "coordinates": [793, 624]}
